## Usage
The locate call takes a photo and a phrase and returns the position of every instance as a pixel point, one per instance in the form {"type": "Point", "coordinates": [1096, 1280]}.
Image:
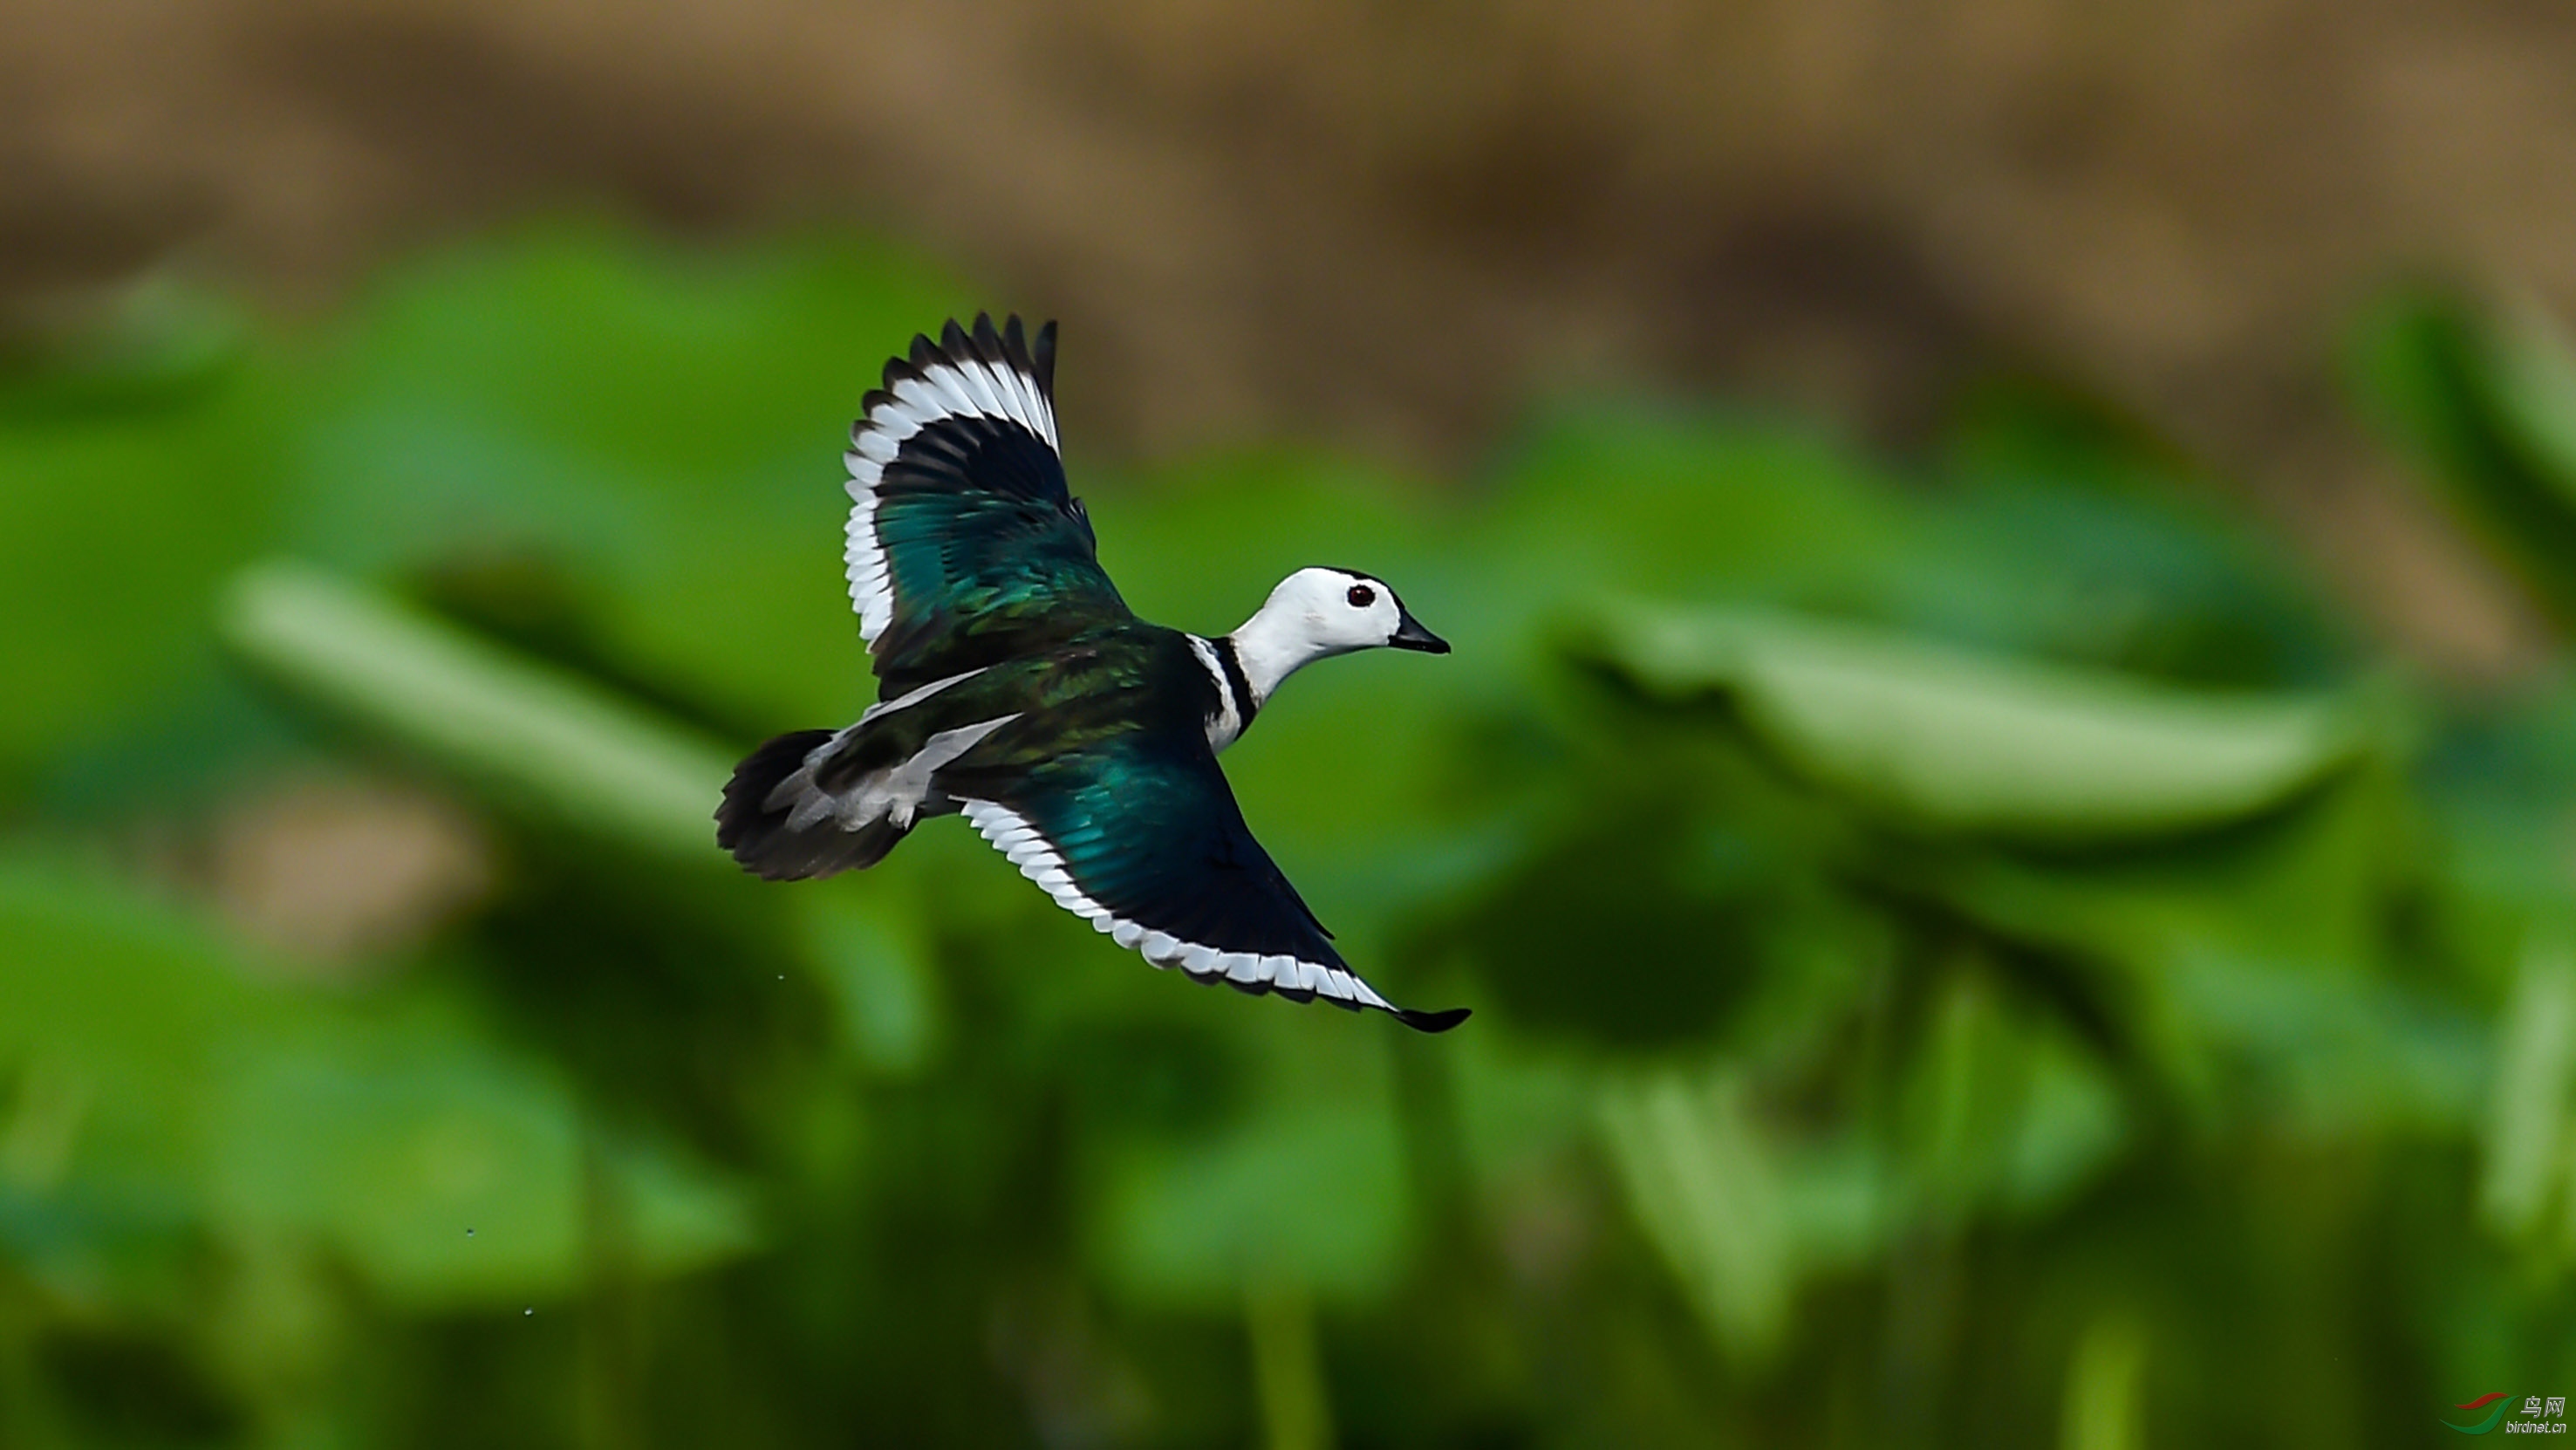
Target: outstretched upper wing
{"type": "Point", "coordinates": [964, 547]}
{"type": "Point", "coordinates": [1139, 834]}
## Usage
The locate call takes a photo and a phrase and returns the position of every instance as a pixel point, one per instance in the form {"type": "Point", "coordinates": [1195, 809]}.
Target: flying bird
{"type": "Point", "coordinates": [1016, 687]}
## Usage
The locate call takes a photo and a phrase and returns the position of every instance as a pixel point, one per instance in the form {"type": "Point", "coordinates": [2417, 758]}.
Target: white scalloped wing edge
{"type": "Point", "coordinates": [1039, 861]}
{"type": "Point", "coordinates": [969, 389]}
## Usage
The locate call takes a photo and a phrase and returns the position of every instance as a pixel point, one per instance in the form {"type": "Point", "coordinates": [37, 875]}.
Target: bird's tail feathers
{"type": "Point", "coordinates": [784, 826]}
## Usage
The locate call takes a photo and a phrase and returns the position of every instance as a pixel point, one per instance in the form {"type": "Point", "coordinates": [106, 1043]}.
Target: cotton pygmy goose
{"type": "Point", "coordinates": [1016, 687]}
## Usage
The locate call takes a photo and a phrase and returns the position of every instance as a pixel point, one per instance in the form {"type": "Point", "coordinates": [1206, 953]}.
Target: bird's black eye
{"type": "Point", "coordinates": [1362, 596]}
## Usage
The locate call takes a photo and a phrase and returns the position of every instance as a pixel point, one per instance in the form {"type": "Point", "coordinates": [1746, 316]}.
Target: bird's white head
{"type": "Point", "coordinates": [1318, 613]}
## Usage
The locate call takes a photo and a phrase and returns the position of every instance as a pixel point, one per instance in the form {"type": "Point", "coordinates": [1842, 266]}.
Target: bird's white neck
{"type": "Point", "coordinates": [1276, 642]}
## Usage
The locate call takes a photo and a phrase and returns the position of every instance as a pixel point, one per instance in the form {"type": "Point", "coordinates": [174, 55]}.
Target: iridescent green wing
{"type": "Point", "coordinates": [964, 548]}
{"type": "Point", "coordinates": [1137, 832]}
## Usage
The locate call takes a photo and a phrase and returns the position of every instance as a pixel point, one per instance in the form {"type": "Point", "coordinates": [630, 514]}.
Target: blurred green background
{"type": "Point", "coordinates": [1989, 924]}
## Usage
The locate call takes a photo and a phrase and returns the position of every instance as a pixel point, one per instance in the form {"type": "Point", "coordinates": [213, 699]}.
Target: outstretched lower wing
{"type": "Point", "coordinates": [964, 547]}
{"type": "Point", "coordinates": [1139, 834]}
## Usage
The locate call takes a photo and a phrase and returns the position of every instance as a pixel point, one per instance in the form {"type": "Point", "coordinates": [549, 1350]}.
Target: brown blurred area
{"type": "Point", "coordinates": [1396, 224]}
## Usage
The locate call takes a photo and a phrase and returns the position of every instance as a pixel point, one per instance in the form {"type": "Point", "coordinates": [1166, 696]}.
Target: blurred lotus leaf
{"type": "Point", "coordinates": [2485, 395]}
{"type": "Point", "coordinates": [175, 485]}
{"type": "Point", "coordinates": [876, 970]}
{"type": "Point", "coordinates": [536, 735]}
{"type": "Point", "coordinates": [1952, 740]}
{"type": "Point", "coordinates": [665, 425]}
{"type": "Point", "coordinates": [1677, 925]}
{"type": "Point", "coordinates": [1741, 1219]}
{"type": "Point", "coordinates": [2531, 1128]}
{"type": "Point", "coordinates": [2002, 1108]}
{"type": "Point", "coordinates": [154, 1071]}
{"type": "Point", "coordinates": [1312, 1193]}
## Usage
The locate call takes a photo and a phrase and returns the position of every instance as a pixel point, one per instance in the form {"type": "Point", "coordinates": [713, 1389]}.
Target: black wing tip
{"type": "Point", "coordinates": [1425, 1022]}
{"type": "Point", "coordinates": [1008, 345]}
{"type": "Point", "coordinates": [1042, 360]}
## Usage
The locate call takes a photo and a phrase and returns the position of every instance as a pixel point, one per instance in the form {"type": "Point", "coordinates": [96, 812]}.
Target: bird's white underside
{"type": "Point", "coordinates": [897, 790]}
{"type": "Point", "coordinates": [1039, 861]}
{"type": "Point", "coordinates": [972, 388]}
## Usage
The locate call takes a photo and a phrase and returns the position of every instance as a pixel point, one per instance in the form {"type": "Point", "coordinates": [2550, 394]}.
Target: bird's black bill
{"type": "Point", "coordinates": [1409, 634]}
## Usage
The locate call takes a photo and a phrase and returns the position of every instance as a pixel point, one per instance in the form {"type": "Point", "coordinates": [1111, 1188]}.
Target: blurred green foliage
{"type": "Point", "coordinates": [1977, 953]}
